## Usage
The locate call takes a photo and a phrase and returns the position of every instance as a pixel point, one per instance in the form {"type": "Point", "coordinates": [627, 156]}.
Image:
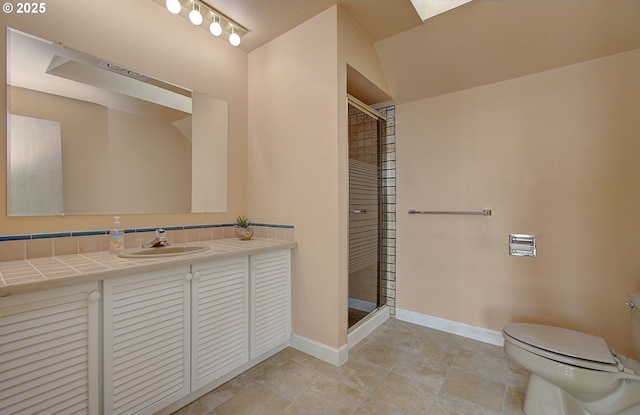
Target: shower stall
{"type": "Point", "coordinates": [367, 292]}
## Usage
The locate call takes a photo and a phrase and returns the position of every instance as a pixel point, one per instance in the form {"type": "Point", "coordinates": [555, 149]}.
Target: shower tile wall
{"type": "Point", "coordinates": [363, 147]}
{"type": "Point", "coordinates": [363, 138]}
{"type": "Point", "coordinates": [388, 155]}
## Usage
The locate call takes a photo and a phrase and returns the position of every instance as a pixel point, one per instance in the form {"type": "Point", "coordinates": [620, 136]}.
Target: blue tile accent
{"type": "Point", "coordinates": [272, 225]}
{"type": "Point", "coordinates": [51, 235]}
{"type": "Point", "coordinates": [129, 230]}
{"type": "Point", "coordinates": [14, 237]}
{"type": "Point", "coordinates": [89, 233]}
{"type": "Point", "coordinates": [138, 230]}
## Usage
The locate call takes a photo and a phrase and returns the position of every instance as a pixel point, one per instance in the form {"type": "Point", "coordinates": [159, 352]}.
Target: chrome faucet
{"type": "Point", "coordinates": [159, 240]}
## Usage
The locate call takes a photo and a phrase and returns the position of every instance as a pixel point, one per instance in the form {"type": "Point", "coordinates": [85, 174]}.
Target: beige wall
{"type": "Point", "coordinates": [556, 154]}
{"type": "Point", "coordinates": [161, 45]}
{"type": "Point", "coordinates": [298, 159]}
{"type": "Point", "coordinates": [293, 165]}
{"type": "Point", "coordinates": [355, 49]}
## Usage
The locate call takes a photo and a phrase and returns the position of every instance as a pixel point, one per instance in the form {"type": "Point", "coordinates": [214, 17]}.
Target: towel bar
{"type": "Point", "coordinates": [484, 212]}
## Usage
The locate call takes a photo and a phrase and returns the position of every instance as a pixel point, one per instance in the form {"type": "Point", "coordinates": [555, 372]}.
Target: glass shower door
{"type": "Point", "coordinates": [364, 213]}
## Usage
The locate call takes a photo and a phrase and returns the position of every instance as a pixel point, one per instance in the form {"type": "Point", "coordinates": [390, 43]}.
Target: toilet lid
{"type": "Point", "coordinates": [562, 341]}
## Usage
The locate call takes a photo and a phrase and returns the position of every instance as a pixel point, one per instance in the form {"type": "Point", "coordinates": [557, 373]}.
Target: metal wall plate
{"type": "Point", "coordinates": [522, 245]}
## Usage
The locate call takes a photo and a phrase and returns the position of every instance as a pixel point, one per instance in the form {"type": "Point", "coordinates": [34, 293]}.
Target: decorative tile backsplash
{"type": "Point", "coordinates": [16, 247]}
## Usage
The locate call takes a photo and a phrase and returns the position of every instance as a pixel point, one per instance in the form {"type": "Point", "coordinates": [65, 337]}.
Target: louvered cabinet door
{"type": "Point", "coordinates": [270, 300]}
{"type": "Point", "coordinates": [49, 351]}
{"type": "Point", "coordinates": [146, 341]}
{"type": "Point", "coordinates": [220, 319]}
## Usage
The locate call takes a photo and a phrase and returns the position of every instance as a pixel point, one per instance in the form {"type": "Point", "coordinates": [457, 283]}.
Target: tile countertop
{"type": "Point", "coordinates": [35, 274]}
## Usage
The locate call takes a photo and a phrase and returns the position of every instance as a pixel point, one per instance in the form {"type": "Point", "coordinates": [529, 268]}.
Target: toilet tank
{"type": "Point", "coordinates": [635, 321]}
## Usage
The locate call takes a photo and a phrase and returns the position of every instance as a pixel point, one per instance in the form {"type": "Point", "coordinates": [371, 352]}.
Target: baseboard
{"type": "Point", "coordinates": [362, 305]}
{"type": "Point", "coordinates": [364, 327]}
{"type": "Point", "coordinates": [319, 350]}
{"type": "Point", "coordinates": [449, 326]}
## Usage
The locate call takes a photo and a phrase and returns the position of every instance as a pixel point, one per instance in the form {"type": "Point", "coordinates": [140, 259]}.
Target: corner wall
{"type": "Point", "coordinates": [298, 153]}
{"type": "Point", "coordinates": [293, 163]}
{"type": "Point", "coordinates": [555, 154]}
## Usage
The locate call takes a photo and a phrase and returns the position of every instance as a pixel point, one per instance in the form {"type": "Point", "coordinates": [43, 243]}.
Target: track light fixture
{"type": "Point", "coordinates": [174, 6]}
{"type": "Point", "coordinates": [198, 12]}
{"type": "Point", "coordinates": [194, 15]}
{"type": "Point", "coordinates": [215, 27]}
{"type": "Point", "coordinates": [234, 37]}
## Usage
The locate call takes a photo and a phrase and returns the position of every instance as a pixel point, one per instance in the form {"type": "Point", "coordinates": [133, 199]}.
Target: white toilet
{"type": "Point", "coordinates": [574, 373]}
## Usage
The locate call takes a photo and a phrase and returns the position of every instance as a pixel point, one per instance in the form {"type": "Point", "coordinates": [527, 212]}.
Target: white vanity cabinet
{"type": "Point", "coordinates": [220, 319]}
{"type": "Point", "coordinates": [143, 343]}
{"type": "Point", "coordinates": [270, 300]}
{"type": "Point", "coordinates": [49, 351]}
{"type": "Point", "coordinates": [146, 341]}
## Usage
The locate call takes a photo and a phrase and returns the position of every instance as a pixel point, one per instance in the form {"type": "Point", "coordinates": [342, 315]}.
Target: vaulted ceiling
{"type": "Point", "coordinates": [478, 43]}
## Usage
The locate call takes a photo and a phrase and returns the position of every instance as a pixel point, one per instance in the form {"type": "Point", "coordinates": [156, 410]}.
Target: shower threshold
{"type": "Point", "coordinates": [367, 325]}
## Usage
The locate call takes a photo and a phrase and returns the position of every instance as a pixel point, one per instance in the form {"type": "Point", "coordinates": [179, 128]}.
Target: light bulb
{"type": "Point", "coordinates": [215, 27]}
{"type": "Point", "coordinates": [194, 15]}
{"type": "Point", "coordinates": [174, 6]}
{"type": "Point", "coordinates": [234, 37]}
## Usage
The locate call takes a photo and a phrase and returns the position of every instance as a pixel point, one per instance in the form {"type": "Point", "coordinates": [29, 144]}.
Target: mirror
{"type": "Point", "coordinates": [88, 136]}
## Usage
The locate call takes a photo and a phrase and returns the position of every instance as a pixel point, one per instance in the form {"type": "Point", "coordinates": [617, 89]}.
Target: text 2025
{"type": "Point", "coordinates": [31, 8]}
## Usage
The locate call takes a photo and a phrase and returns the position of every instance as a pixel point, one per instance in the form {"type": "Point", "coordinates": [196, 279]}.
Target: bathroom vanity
{"type": "Point", "coordinates": [146, 336]}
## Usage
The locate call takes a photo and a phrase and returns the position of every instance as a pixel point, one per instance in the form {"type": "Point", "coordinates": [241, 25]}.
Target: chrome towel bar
{"type": "Point", "coordinates": [484, 212]}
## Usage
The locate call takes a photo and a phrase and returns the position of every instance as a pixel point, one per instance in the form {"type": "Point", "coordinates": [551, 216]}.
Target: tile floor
{"type": "Point", "coordinates": [399, 369]}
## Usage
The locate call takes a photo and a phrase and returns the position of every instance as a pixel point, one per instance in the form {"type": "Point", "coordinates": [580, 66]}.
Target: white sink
{"type": "Point", "coordinates": [169, 250]}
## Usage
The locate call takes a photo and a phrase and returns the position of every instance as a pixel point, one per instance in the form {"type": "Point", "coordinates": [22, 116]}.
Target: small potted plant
{"type": "Point", "coordinates": [243, 229]}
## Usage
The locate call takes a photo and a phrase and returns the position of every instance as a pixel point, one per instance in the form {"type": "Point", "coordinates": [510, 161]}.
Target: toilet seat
{"type": "Point", "coordinates": [563, 345]}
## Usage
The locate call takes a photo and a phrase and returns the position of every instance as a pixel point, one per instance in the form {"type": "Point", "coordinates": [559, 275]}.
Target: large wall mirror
{"type": "Point", "coordinates": [88, 136]}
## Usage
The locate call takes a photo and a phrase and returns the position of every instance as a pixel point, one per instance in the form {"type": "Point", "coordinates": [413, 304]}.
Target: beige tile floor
{"type": "Point", "coordinates": [399, 369]}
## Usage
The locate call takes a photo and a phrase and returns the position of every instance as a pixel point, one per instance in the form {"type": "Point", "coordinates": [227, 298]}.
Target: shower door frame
{"type": "Point", "coordinates": [381, 120]}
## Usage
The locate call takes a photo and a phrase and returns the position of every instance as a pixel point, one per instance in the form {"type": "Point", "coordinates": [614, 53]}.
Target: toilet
{"type": "Point", "coordinates": [575, 373]}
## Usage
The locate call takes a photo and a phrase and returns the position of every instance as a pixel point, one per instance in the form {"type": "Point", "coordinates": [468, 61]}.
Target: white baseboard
{"type": "Point", "coordinates": [337, 357]}
{"type": "Point", "coordinates": [369, 324]}
{"type": "Point", "coordinates": [321, 351]}
{"type": "Point", "coordinates": [449, 326]}
{"type": "Point", "coordinates": [362, 305]}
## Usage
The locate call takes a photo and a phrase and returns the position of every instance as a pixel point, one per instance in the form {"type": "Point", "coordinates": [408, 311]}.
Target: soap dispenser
{"type": "Point", "coordinates": [117, 237]}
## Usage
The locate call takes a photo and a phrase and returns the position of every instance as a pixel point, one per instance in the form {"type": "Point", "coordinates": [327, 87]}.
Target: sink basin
{"type": "Point", "coordinates": [161, 251]}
